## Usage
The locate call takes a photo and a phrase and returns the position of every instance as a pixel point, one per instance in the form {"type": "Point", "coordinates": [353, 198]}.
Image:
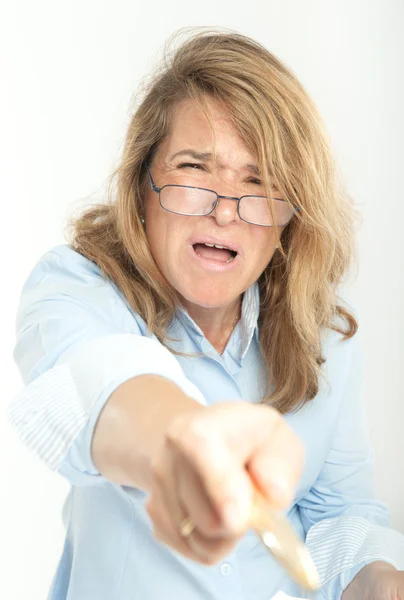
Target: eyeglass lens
{"type": "Point", "coordinates": [194, 201]}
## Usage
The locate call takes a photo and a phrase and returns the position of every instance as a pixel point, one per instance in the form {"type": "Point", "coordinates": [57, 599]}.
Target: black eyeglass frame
{"type": "Point", "coordinates": [218, 196]}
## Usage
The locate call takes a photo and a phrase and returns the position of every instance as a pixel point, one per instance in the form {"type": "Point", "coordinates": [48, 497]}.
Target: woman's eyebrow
{"type": "Point", "coordinates": [193, 153]}
{"type": "Point", "coordinates": [207, 156]}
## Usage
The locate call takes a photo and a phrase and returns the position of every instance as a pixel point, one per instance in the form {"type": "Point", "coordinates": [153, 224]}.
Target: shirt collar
{"type": "Point", "coordinates": [250, 310]}
{"type": "Point", "coordinates": [248, 322]}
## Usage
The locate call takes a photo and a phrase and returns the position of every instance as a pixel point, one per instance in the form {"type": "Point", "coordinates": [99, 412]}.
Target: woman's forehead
{"type": "Point", "coordinates": [192, 136]}
{"type": "Point", "coordinates": [189, 119]}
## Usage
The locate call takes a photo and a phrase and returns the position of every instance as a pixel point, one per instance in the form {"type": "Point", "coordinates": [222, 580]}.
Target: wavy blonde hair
{"type": "Point", "coordinates": [280, 124]}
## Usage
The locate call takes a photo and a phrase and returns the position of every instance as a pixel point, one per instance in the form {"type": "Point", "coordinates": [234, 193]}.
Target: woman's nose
{"type": "Point", "coordinates": [225, 211]}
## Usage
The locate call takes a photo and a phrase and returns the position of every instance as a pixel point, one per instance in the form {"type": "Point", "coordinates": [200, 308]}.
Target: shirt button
{"type": "Point", "coordinates": [225, 569]}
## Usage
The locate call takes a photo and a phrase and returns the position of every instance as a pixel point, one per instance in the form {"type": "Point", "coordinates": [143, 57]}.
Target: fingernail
{"type": "Point", "coordinates": [236, 513]}
{"type": "Point", "coordinates": [280, 491]}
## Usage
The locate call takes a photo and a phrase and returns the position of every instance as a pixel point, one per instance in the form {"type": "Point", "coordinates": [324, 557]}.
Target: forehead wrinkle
{"type": "Point", "coordinates": [208, 156]}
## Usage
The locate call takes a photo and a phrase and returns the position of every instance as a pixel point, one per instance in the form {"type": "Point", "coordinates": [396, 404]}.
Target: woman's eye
{"type": "Point", "coordinates": [259, 182]}
{"type": "Point", "coordinates": [195, 166]}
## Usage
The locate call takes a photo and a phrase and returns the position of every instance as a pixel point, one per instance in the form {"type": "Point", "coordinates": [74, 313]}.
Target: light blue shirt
{"type": "Point", "coordinates": [78, 340]}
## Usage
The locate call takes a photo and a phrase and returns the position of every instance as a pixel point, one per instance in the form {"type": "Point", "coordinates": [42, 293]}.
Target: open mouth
{"type": "Point", "coordinates": [220, 254]}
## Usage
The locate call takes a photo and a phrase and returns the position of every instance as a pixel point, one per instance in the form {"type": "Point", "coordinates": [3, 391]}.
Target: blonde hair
{"type": "Point", "coordinates": [280, 124]}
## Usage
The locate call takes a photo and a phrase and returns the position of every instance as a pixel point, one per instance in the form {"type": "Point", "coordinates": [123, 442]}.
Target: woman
{"type": "Point", "coordinates": [189, 346]}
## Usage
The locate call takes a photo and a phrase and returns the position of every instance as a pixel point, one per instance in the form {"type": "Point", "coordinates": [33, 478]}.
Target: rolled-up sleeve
{"type": "Point", "coordinates": [77, 341]}
{"type": "Point", "coordinates": [346, 526]}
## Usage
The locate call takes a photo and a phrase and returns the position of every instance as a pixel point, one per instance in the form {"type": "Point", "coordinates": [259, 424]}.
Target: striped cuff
{"type": "Point", "coordinates": [343, 545]}
{"type": "Point", "coordinates": [52, 410]}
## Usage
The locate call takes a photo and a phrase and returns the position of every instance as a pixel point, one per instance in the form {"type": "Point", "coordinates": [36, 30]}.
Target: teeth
{"type": "Point", "coordinates": [216, 246]}
{"type": "Point", "coordinates": [230, 259]}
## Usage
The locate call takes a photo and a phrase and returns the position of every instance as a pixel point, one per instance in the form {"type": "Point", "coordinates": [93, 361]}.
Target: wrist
{"type": "Point", "coordinates": [164, 404]}
{"type": "Point", "coordinates": [132, 425]}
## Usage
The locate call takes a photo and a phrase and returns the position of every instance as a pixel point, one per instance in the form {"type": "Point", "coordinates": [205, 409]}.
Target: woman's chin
{"type": "Point", "coordinates": [205, 299]}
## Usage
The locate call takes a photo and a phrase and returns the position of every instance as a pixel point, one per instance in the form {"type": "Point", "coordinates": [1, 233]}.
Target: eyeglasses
{"type": "Point", "coordinates": [196, 202]}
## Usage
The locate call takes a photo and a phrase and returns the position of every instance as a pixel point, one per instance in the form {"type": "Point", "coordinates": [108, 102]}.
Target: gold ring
{"type": "Point", "coordinates": [186, 526]}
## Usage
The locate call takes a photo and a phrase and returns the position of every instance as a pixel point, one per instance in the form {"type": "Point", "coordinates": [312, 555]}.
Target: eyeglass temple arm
{"type": "Point", "coordinates": [152, 184]}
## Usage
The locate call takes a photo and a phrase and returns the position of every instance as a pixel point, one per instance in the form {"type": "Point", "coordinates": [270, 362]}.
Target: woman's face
{"type": "Point", "coordinates": [201, 274]}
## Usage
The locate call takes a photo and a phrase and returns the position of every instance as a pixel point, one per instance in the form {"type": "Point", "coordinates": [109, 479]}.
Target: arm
{"type": "Point", "coordinates": [346, 527]}
{"type": "Point", "coordinates": [77, 343]}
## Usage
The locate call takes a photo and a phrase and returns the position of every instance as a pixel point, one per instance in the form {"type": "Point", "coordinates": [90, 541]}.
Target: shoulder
{"type": "Point", "coordinates": [65, 276]}
{"type": "Point", "coordinates": [64, 263]}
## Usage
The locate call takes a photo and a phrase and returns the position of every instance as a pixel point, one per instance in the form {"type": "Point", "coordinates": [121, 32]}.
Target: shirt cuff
{"type": "Point", "coordinates": [51, 412]}
{"type": "Point", "coordinates": [342, 546]}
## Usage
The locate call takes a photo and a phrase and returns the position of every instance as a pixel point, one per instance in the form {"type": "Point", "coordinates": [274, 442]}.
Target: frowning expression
{"type": "Point", "coordinates": [185, 248]}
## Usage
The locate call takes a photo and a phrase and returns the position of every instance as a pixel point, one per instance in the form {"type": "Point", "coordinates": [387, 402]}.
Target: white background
{"type": "Point", "coordinates": [68, 72]}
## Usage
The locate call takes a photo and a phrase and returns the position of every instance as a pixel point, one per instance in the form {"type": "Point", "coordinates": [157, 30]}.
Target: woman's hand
{"type": "Point", "coordinates": [205, 469]}
{"type": "Point", "coordinates": [376, 581]}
